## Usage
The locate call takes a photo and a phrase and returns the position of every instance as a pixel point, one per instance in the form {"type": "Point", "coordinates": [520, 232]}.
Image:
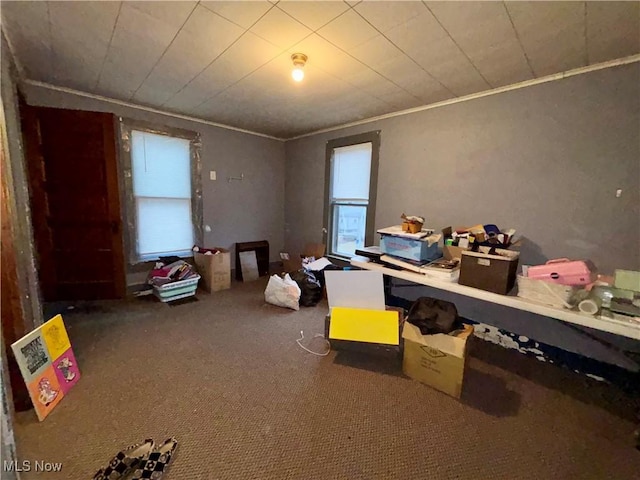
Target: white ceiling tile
{"type": "Point", "coordinates": [156, 32]}
{"type": "Point", "coordinates": [247, 54]}
{"type": "Point", "coordinates": [190, 97]}
{"type": "Point", "coordinates": [215, 32]}
{"type": "Point", "coordinates": [313, 14]}
{"type": "Point", "coordinates": [80, 36]}
{"type": "Point", "coordinates": [424, 40]}
{"type": "Point", "coordinates": [371, 82]}
{"type": "Point", "coordinates": [552, 34]}
{"type": "Point", "coordinates": [280, 29]}
{"type": "Point", "coordinates": [120, 86]}
{"type": "Point", "coordinates": [210, 82]}
{"type": "Point", "coordinates": [75, 64]}
{"type": "Point", "coordinates": [137, 50]}
{"type": "Point", "coordinates": [484, 32]}
{"type": "Point", "coordinates": [613, 30]}
{"type": "Point", "coordinates": [348, 30]}
{"type": "Point", "coordinates": [386, 15]}
{"type": "Point", "coordinates": [170, 13]}
{"type": "Point", "coordinates": [420, 84]}
{"type": "Point", "coordinates": [26, 25]}
{"type": "Point", "coordinates": [401, 100]}
{"type": "Point", "coordinates": [204, 37]}
{"type": "Point", "coordinates": [86, 21]}
{"type": "Point", "coordinates": [244, 14]}
{"type": "Point", "coordinates": [153, 95]}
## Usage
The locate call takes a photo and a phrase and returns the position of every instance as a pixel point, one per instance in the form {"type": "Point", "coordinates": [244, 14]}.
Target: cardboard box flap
{"type": "Point", "coordinates": [450, 344]}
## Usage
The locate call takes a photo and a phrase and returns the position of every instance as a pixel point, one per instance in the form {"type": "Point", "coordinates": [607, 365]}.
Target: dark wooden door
{"type": "Point", "coordinates": [73, 176]}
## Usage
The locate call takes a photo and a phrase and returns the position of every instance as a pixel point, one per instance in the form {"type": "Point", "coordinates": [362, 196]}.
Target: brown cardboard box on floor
{"type": "Point", "coordinates": [215, 269]}
{"type": "Point", "coordinates": [294, 262]}
{"type": "Point", "coordinates": [436, 360]}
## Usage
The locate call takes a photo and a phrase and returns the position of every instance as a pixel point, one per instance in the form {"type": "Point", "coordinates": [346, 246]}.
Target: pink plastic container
{"type": "Point", "coordinates": [563, 271]}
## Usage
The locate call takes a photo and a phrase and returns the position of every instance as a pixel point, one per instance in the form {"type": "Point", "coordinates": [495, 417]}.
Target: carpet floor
{"type": "Point", "coordinates": [225, 376]}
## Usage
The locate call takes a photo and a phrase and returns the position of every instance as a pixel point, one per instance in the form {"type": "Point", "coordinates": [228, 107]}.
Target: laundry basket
{"type": "Point", "coordinates": [176, 290]}
{"type": "Point", "coordinates": [547, 293]}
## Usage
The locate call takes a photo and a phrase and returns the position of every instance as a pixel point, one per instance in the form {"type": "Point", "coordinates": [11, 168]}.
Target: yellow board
{"type": "Point", "coordinates": [55, 336]}
{"type": "Point", "coordinates": [361, 325]}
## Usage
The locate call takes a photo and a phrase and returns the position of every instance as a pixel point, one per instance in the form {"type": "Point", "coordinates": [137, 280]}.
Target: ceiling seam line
{"type": "Point", "coordinates": [218, 56]}
{"type": "Point", "coordinates": [459, 47]}
{"type": "Point", "coordinates": [407, 55]}
{"type": "Point", "coordinates": [515, 31]}
{"type": "Point", "coordinates": [165, 51]}
{"type": "Point", "coordinates": [106, 55]}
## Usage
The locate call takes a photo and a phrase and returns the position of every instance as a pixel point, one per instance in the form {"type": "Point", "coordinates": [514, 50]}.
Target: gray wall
{"type": "Point", "coordinates": [545, 160]}
{"type": "Point", "coordinates": [238, 211]}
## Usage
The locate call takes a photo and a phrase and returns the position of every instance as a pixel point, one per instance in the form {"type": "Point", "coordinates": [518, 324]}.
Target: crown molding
{"type": "Point", "coordinates": [79, 93]}
{"type": "Point", "coordinates": [473, 96]}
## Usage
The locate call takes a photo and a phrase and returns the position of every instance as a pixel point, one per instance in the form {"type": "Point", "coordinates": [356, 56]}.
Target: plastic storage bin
{"type": "Point", "coordinates": [408, 248]}
{"type": "Point", "coordinates": [552, 294]}
{"type": "Point", "coordinates": [176, 290]}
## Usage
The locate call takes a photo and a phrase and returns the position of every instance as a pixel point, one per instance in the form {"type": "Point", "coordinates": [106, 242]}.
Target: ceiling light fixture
{"type": "Point", "coordinates": [299, 59]}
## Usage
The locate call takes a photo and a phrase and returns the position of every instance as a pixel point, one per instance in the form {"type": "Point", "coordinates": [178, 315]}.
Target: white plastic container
{"type": "Point", "coordinates": [547, 293]}
{"type": "Point", "coordinates": [176, 290]}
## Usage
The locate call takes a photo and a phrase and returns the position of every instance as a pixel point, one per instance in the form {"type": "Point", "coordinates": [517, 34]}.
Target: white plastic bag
{"type": "Point", "coordinates": [282, 292]}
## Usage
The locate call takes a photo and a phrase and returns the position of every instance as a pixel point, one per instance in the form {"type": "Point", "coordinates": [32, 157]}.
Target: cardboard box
{"type": "Point", "coordinates": [408, 248]}
{"type": "Point", "coordinates": [215, 270]}
{"type": "Point", "coordinates": [452, 251]}
{"type": "Point", "coordinates": [491, 272]}
{"type": "Point", "coordinates": [436, 360]}
{"type": "Point", "coordinates": [292, 262]}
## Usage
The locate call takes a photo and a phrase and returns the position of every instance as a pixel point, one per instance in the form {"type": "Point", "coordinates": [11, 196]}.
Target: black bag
{"type": "Point", "coordinates": [431, 316]}
{"type": "Point", "coordinates": [310, 289]}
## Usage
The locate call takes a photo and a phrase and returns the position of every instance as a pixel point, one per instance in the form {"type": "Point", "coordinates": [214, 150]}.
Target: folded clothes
{"type": "Point", "coordinates": [174, 272]}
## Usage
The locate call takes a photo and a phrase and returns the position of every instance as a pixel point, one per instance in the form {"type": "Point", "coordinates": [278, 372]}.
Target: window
{"type": "Point", "coordinates": [352, 173]}
{"type": "Point", "coordinates": [162, 192]}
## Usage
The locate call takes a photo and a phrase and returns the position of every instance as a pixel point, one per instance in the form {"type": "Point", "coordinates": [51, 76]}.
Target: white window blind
{"type": "Point", "coordinates": [350, 179]}
{"type": "Point", "coordinates": [161, 170]}
{"type": "Point", "coordinates": [351, 172]}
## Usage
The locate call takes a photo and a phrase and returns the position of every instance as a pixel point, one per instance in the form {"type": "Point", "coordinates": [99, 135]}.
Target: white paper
{"type": "Point", "coordinates": [319, 264]}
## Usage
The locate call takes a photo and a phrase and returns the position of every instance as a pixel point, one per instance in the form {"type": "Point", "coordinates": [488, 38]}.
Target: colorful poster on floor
{"type": "Point", "coordinates": [47, 364]}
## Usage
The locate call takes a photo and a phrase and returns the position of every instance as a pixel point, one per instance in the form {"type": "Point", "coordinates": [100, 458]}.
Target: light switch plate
{"type": "Point", "coordinates": [212, 175]}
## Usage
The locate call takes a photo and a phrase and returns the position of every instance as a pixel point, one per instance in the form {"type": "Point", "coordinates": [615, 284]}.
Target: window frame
{"type": "Point", "coordinates": [127, 126]}
{"type": "Point", "coordinates": [329, 206]}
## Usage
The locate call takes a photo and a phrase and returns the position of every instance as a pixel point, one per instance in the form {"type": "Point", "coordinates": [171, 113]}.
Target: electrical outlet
{"type": "Point", "coordinates": [212, 175]}
{"type": "Point", "coordinates": [618, 193]}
